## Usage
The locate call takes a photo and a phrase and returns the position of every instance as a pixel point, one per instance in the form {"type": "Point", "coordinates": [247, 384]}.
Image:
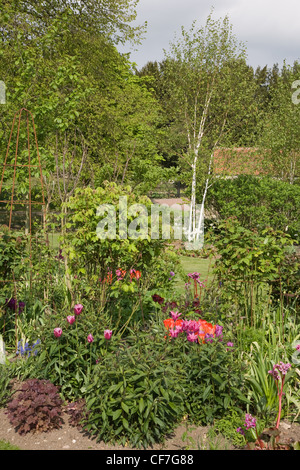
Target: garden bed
{"type": "Point", "coordinates": [71, 438]}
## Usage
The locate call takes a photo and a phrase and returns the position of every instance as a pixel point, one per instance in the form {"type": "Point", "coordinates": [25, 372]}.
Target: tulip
{"type": "Point", "coordinates": [70, 319]}
{"type": "Point", "coordinates": [107, 334]}
{"type": "Point", "coordinates": [90, 338]}
{"type": "Point", "coordinates": [78, 309]}
{"type": "Point", "coordinates": [57, 332]}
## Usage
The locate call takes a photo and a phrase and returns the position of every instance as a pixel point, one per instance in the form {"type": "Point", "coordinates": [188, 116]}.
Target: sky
{"type": "Point", "coordinates": [270, 29]}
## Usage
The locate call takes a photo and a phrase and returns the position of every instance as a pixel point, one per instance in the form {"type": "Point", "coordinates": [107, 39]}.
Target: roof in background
{"type": "Point", "coordinates": [238, 161]}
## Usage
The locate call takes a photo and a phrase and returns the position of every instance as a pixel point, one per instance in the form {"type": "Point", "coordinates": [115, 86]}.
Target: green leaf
{"type": "Point", "coordinates": [206, 392]}
{"type": "Point", "coordinates": [125, 407]}
{"type": "Point", "coordinates": [116, 414]}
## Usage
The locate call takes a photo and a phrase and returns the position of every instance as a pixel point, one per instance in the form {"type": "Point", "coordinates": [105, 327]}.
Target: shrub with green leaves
{"type": "Point", "coordinates": [214, 381]}
{"type": "Point", "coordinates": [91, 255]}
{"type": "Point", "coordinates": [248, 266]}
{"type": "Point", "coordinates": [136, 394]}
{"type": "Point", "coordinates": [258, 202]}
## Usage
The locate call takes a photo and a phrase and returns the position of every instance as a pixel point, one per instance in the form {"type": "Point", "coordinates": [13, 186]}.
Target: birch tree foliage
{"type": "Point", "coordinates": [198, 67]}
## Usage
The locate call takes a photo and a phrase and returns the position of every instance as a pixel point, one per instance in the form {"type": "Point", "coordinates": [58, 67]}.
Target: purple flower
{"type": "Point", "coordinates": [60, 256]}
{"type": "Point", "coordinates": [171, 274]}
{"type": "Point", "coordinates": [219, 332]}
{"type": "Point", "coordinates": [241, 431]}
{"type": "Point", "coordinates": [250, 421]}
{"type": "Point", "coordinates": [194, 275]}
{"type": "Point", "coordinates": [278, 369]}
{"type": "Point", "coordinates": [230, 345]}
{"type": "Point", "coordinates": [12, 304]}
{"type": "Point", "coordinates": [209, 338]}
{"type": "Point", "coordinates": [283, 368]}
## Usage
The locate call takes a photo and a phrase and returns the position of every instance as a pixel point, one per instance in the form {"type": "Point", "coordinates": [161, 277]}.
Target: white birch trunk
{"type": "Point", "coordinates": [201, 216]}
{"type": "Point", "coordinates": [197, 144]}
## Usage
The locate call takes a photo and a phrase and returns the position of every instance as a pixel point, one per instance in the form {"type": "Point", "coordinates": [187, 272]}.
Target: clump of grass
{"type": "Point", "coordinates": [5, 445]}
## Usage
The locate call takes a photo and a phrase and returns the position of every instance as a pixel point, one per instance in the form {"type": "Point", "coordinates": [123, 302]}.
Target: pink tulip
{"type": "Point", "coordinates": [78, 309]}
{"type": "Point", "coordinates": [90, 338]}
{"type": "Point", "coordinates": [70, 319]}
{"type": "Point", "coordinates": [57, 332]}
{"type": "Point", "coordinates": [107, 334]}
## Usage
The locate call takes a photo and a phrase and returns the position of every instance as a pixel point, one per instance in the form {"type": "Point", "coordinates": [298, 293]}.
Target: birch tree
{"type": "Point", "coordinates": [203, 91]}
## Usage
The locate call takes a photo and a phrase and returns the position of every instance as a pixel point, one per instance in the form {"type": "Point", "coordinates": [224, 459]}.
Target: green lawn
{"type": "Point", "coordinates": [203, 266]}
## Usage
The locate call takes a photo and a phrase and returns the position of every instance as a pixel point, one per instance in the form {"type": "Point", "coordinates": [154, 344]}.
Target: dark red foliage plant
{"type": "Point", "coordinates": [37, 406]}
{"type": "Point", "coordinates": [78, 413]}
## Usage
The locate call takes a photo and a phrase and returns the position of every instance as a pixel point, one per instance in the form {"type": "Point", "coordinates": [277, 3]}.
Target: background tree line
{"type": "Point", "coordinates": [99, 118]}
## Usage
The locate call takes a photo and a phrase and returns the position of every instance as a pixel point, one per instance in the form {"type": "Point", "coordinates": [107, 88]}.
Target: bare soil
{"type": "Point", "coordinates": [70, 438]}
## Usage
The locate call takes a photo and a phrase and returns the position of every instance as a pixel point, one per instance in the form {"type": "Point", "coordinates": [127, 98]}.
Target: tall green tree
{"type": "Point", "coordinates": [88, 105]}
{"type": "Point", "coordinates": [280, 138]}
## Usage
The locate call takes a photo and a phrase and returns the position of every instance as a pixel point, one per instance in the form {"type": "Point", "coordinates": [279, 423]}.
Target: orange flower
{"type": "Point", "coordinates": [135, 274]}
{"type": "Point", "coordinates": [170, 324]}
{"type": "Point", "coordinates": [206, 327]}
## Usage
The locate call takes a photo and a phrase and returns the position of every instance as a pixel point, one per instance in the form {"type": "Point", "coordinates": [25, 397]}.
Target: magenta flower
{"type": "Point", "coordinates": [175, 315]}
{"type": "Point", "coordinates": [174, 333]}
{"type": "Point", "coordinates": [250, 421]}
{"type": "Point", "coordinates": [107, 334]}
{"type": "Point", "coordinates": [90, 338]}
{"type": "Point", "coordinates": [193, 326]}
{"type": "Point", "coordinates": [298, 347]}
{"type": "Point", "coordinates": [283, 368]}
{"type": "Point", "coordinates": [57, 332]}
{"type": "Point", "coordinates": [78, 309]}
{"type": "Point", "coordinates": [194, 276]}
{"type": "Point", "coordinates": [230, 345]}
{"type": "Point", "coordinates": [192, 337]}
{"type": "Point", "coordinates": [185, 325]}
{"type": "Point", "coordinates": [71, 319]}
{"type": "Point", "coordinates": [241, 431]}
